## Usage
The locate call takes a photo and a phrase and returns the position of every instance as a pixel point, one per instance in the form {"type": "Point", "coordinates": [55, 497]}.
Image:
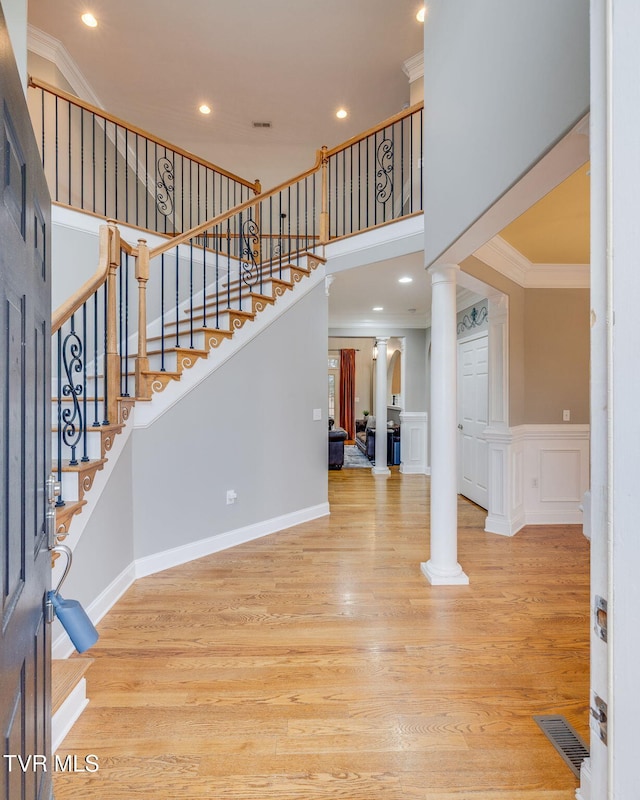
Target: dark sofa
{"type": "Point", "coordinates": [336, 447]}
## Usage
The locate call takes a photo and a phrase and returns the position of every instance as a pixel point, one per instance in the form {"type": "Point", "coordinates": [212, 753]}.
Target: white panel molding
{"type": "Point", "coordinates": [505, 259]}
{"type": "Point", "coordinates": [46, 46]}
{"type": "Point", "coordinates": [158, 562]}
{"type": "Point", "coordinates": [538, 476]}
{"type": "Point", "coordinates": [413, 443]}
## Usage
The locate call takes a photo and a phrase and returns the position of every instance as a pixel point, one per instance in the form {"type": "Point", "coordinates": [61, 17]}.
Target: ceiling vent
{"type": "Point", "coordinates": [261, 124]}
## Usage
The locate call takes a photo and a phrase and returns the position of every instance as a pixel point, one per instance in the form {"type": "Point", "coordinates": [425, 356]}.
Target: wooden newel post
{"type": "Point", "coordinates": [143, 388]}
{"type": "Point", "coordinates": [112, 366]}
{"type": "Point", "coordinates": [324, 213]}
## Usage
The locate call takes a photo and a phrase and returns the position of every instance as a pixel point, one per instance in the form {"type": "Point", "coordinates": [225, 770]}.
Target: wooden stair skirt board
{"type": "Point", "coordinates": [68, 695]}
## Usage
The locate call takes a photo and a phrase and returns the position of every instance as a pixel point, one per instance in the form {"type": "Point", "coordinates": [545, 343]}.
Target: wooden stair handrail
{"type": "Point", "coordinates": [67, 309]}
{"type": "Point", "coordinates": [387, 123]}
{"type": "Point", "coordinates": [36, 83]}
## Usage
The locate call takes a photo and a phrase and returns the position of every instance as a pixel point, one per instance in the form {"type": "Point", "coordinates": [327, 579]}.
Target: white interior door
{"type": "Point", "coordinates": [473, 407]}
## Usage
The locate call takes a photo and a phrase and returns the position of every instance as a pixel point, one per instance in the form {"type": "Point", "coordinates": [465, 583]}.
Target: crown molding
{"type": "Point", "coordinates": [46, 46]}
{"type": "Point", "coordinates": [413, 67]}
{"type": "Point", "coordinates": [505, 259]}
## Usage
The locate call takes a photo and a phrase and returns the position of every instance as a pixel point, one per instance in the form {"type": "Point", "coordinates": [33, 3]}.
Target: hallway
{"type": "Point", "coordinates": [319, 663]}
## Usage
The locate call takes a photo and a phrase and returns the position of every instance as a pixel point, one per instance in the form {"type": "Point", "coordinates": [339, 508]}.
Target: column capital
{"type": "Point", "coordinates": [382, 339]}
{"type": "Point", "coordinates": [444, 273]}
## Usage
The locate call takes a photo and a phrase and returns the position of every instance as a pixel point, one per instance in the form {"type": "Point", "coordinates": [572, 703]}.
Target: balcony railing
{"type": "Point", "coordinates": [96, 162]}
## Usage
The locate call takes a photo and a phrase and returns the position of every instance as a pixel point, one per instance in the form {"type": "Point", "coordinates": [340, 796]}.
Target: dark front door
{"type": "Point", "coordinates": [25, 334]}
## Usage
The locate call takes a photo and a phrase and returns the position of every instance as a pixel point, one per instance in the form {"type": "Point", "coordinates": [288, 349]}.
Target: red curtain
{"type": "Point", "coordinates": [348, 391]}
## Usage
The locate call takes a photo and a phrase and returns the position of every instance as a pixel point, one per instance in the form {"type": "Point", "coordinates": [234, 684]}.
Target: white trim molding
{"type": "Point", "coordinates": [538, 475]}
{"type": "Point", "coordinates": [413, 67]}
{"type": "Point", "coordinates": [158, 562]}
{"type": "Point", "coordinates": [413, 443]}
{"type": "Point", "coordinates": [52, 49]}
{"type": "Point", "coordinates": [505, 259]}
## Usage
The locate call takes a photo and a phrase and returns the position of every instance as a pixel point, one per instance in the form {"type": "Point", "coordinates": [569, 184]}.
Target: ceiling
{"type": "Point", "coordinates": [292, 64]}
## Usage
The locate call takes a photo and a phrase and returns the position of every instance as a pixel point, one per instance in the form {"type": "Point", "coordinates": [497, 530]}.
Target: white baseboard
{"type": "Point", "coordinates": [158, 562]}
{"type": "Point", "coordinates": [410, 469]}
{"type": "Point", "coordinates": [64, 718]}
{"type": "Point", "coordinates": [583, 792]}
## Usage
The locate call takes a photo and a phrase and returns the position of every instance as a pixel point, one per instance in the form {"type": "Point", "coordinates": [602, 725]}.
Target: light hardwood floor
{"type": "Point", "coordinates": [318, 663]}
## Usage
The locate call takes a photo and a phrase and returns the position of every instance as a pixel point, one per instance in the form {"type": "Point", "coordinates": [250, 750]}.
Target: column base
{"type": "Point", "coordinates": [380, 471]}
{"type": "Point", "coordinates": [439, 577]}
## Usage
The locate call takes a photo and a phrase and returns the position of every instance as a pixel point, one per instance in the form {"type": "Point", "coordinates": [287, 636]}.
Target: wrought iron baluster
{"type": "Point", "coordinates": [204, 281]}
{"type": "Point", "coordinates": [72, 360]}
{"type": "Point", "coordinates": [191, 294]}
{"type": "Point", "coordinates": [162, 366]}
{"type": "Point", "coordinates": [60, 500]}
{"type": "Point", "coordinates": [85, 455]}
{"type": "Point", "coordinates": [96, 421]}
{"type": "Point", "coordinates": [105, 361]}
{"type": "Point", "coordinates": [69, 147]}
{"type": "Point", "coordinates": [57, 151]}
{"type": "Point", "coordinates": [177, 296]}
{"type": "Point", "coordinates": [126, 325]}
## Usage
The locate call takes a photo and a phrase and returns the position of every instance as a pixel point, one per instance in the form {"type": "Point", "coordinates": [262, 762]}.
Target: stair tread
{"type": "Point", "coordinates": [65, 675]}
{"type": "Point", "coordinates": [83, 466]}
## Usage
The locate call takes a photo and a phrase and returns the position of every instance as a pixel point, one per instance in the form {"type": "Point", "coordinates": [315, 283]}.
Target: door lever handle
{"type": "Point", "coordinates": [460, 428]}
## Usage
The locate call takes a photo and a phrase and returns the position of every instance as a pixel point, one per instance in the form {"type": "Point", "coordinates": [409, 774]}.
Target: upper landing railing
{"type": "Point", "coordinates": [98, 163]}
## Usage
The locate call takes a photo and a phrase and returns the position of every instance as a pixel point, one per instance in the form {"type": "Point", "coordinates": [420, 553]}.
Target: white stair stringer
{"type": "Point", "coordinates": [146, 413]}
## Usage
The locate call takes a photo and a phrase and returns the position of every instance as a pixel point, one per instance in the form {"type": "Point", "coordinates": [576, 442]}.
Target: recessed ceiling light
{"type": "Point", "coordinates": [204, 109]}
{"type": "Point", "coordinates": [420, 14]}
{"type": "Point", "coordinates": [377, 308]}
{"type": "Point", "coordinates": [89, 20]}
{"type": "Point", "coordinates": [342, 113]}
{"type": "Point", "coordinates": [406, 279]}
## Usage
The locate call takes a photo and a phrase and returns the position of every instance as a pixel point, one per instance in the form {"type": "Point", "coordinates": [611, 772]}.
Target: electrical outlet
{"type": "Point", "coordinates": [231, 496]}
{"type": "Point", "coordinates": [566, 415]}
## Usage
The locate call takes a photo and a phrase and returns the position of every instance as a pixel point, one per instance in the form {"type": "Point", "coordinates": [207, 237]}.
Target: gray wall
{"type": "Point", "coordinates": [105, 549]}
{"type": "Point", "coordinates": [504, 81]}
{"type": "Point", "coordinates": [248, 427]}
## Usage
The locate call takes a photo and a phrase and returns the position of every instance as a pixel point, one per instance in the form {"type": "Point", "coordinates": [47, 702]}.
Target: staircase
{"type": "Point", "coordinates": [90, 408]}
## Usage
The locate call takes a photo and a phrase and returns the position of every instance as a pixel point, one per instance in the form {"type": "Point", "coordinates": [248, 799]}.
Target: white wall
{"type": "Point", "coordinates": [15, 15]}
{"type": "Point", "coordinates": [505, 80]}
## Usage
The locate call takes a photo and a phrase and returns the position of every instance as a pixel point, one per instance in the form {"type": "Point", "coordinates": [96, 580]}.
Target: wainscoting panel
{"type": "Point", "coordinates": [413, 443]}
{"type": "Point", "coordinates": [538, 476]}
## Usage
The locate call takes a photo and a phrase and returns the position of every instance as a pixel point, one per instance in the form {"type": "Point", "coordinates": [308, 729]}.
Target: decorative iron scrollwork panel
{"type": "Point", "coordinates": [384, 173]}
{"type": "Point", "coordinates": [165, 187]}
{"type": "Point", "coordinates": [473, 320]}
{"type": "Point", "coordinates": [250, 252]}
{"type": "Point", "coordinates": [71, 418]}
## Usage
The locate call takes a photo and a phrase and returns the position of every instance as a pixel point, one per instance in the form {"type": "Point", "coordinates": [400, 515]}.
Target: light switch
{"type": "Point", "coordinates": [317, 413]}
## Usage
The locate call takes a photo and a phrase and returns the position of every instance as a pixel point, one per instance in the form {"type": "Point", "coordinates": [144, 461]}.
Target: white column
{"type": "Point", "coordinates": [442, 567]}
{"type": "Point", "coordinates": [381, 467]}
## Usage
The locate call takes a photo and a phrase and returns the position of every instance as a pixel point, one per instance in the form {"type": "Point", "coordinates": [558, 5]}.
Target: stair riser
{"type": "Point", "coordinates": [94, 447]}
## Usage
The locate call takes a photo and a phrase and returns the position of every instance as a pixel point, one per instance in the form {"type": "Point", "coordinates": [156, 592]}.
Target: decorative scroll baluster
{"type": "Point", "coordinates": [165, 186]}
{"type": "Point", "coordinates": [72, 362]}
{"type": "Point", "coordinates": [384, 180]}
{"type": "Point", "coordinates": [250, 253]}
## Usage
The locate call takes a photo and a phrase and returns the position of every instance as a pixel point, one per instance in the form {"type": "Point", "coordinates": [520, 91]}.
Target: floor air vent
{"type": "Point", "coordinates": [566, 741]}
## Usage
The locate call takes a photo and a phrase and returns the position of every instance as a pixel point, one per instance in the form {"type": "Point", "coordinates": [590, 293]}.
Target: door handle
{"type": "Point", "coordinates": [460, 426]}
{"type": "Point", "coordinates": [53, 491]}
